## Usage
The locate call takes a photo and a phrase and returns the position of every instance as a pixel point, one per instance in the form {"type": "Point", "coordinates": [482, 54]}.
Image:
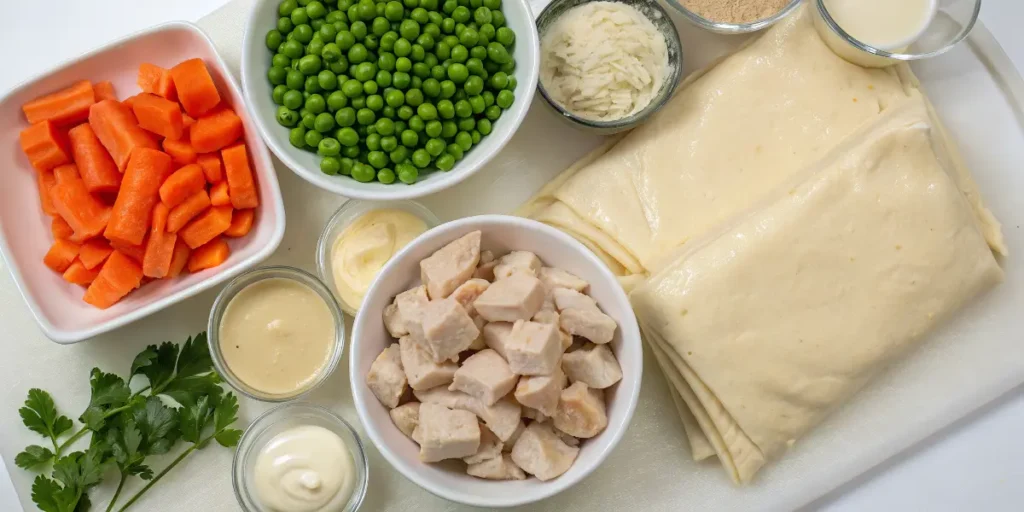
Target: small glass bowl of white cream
{"type": "Point", "coordinates": [360, 238]}
{"type": "Point", "coordinates": [879, 33]}
{"type": "Point", "coordinates": [276, 333]}
{"type": "Point", "coordinates": [300, 457]}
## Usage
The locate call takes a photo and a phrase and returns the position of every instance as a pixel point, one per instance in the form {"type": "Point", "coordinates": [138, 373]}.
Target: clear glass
{"type": "Point", "coordinates": [346, 214]}
{"type": "Point", "coordinates": [253, 276]}
{"type": "Point", "coordinates": [951, 24]}
{"type": "Point", "coordinates": [722, 27]}
{"type": "Point", "coordinates": [663, 22]}
{"type": "Point", "coordinates": [285, 417]}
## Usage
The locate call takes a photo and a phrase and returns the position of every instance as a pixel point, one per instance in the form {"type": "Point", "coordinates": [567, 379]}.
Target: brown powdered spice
{"type": "Point", "coordinates": [734, 11]}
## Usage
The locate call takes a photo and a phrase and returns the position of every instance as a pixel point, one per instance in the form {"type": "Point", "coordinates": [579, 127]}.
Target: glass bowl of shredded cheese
{"type": "Point", "coordinates": [734, 16]}
{"type": "Point", "coordinates": [607, 65]}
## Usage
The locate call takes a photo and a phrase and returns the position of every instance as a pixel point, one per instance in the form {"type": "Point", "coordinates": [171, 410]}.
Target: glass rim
{"type": "Point", "coordinates": [724, 27]}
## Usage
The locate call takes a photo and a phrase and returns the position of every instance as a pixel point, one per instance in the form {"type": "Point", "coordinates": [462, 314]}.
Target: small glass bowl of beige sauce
{"type": "Point", "coordinates": [276, 333]}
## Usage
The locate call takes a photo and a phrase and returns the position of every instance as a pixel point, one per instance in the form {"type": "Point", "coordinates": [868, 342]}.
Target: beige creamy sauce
{"type": "Point", "coordinates": [304, 469]}
{"type": "Point", "coordinates": [277, 335]}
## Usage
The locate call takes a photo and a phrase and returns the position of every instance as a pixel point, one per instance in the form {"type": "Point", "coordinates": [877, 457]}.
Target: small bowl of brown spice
{"type": "Point", "coordinates": [734, 16]}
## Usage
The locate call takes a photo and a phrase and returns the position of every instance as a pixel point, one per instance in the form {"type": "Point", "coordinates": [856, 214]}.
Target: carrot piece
{"type": "Point", "coordinates": [219, 194]}
{"type": "Point", "coordinates": [66, 106]}
{"type": "Point", "coordinates": [44, 146]}
{"type": "Point", "coordinates": [156, 262]}
{"type": "Point", "coordinates": [60, 229]}
{"type": "Point", "coordinates": [160, 214]}
{"type": "Point", "coordinates": [181, 151]}
{"type": "Point", "coordinates": [46, 183]}
{"type": "Point", "coordinates": [157, 80]}
{"type": "Point", "coordinates": [241, 186]}
{"type": "Point", "coordinates": [104, 91]}
{"type": "Point", "coordinates": [180, 258]}
{"type": "Point", "coordinates": [215, 130]}
{"type": "Point", "coordinates": [241, 223]}
{"type": "Point", "coordinates": [160, 116]}
{"type": "Point", "coordinates": [187, 121]}
{"type": "Point", "coordinates": [210, 162]}
{"type": "Point", "coordinates": [118, 277]}
{"type": "Point", "coordinates": [60, 255]}
{"type": "Point", "coordinates": [180, 185]}
{"type": "Point", "coordinates": [94, 252]}
{"type": "Point", "coordinates": [209, 255]}
{"type": "Point", "coordinates": [98, 170]}
{"type": "Point", "coordinates": [78, 274]}
{"type": "Point", "coordinates": [133, 209]}
{"type": "Point", "coordinates": [184, 212]}
{"type": "Point", "coordinates": [130, 101]}
{"type": "Point", "coordinates": [135, 252]}
{"type": "Point", "coordinates": [196, 90]}
{"type": "Point", "coordinates": [118, 130]}
{"type": "Point", "coordinates": [207, 226]}
{"type": "Point", "coordinates": [72, 200]}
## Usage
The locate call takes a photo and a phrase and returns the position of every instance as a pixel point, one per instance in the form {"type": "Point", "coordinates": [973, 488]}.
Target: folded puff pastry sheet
{"type": "Point", "coordinates": [767, 325]}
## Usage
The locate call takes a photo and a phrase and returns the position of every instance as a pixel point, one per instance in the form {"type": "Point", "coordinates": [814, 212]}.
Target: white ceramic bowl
{"type": "Point", "coordinates": [25, 231]}
{"type": "Point", "coordinates": [256, 62]}
{"type": "Point", "coordinates": [500, 234]}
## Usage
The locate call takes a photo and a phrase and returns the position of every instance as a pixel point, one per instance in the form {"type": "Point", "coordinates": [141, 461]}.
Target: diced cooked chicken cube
{"type": "Point", "coordinates": [479, 343]}
{"type": "Point", "coordinates": [502, 417]}
{"type": "Point", "coordinates": [406, 417]}
{"type": "Point", "coordinates": [445, 433]}
{"type": "Point", "coordinates": [486, 271]}
{"type": "Point", "coordinates": [517, 261]}
{"type": "Point", "coordinates": [486, 376]}
{"type": "Point", "coordinates": [541, 392]}
{"type": "Point", "coordinates": [567, 439]}
{"type": "Point", "coordinates": [497, 336]}
{"type": "Point", "coordinates": [533, 414]}
{"type": "Point", "coordinates": [497, 468]}
{"type": "Point", "coordinates": [449, 267]}
{"type": "Point", "coordinates": [421, 370]}
{"type": "Point", "coordinates": [511, 441]}
{"type": "Point", "coordinates": [447, 329]}
{"type": "Point", "coordinates": [408, 309]}
{"type": "Point", "coordinates": [581, 411]}
{"type": "Point", "coordinates": [518, 297]}
{"type": "Point", "coordinates": [386, 378]}
{"type": "Point", "coordinates": [394, 322]}
{"type": "Point", "coordinates": [468, 292]}
{"type": "Point", "coordinates": [594, 366]}
{"type": "Point", "coordinates": [550, 316]}
{"type": "Point", "coordinates": [566, 298]}
{"type": "Point", "coordinates": [558, 278]}
{"type": "Point", "coordinates": [533, 348]}
{"type": "Point", "coordinates": [490, 447]}
{"type": "Point", "coordinates": [592, 325]}
{"type": "Point", "coordinates": [487, 257]}
{"type": "Point", "coordinates": [542, 453]}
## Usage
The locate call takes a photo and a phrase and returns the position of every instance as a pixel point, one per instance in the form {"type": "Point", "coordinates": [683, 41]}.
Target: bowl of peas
{"type": "Point", "coordinates": [389, 99]}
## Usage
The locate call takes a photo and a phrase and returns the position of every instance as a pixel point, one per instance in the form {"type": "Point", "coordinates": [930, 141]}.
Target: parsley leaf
{"type": "Point", "coordinates": [224, 415]}
{"type": "Point", "coordinates": [40, 415]}
{"type": "Point", "coordinates": [109, 392]}
{"type": "Point", "coordinates": [124, 443]}
{"type": "Point", "coordinates": [49, 496]}
{"type": "Point", "coordinates": [229, 437]}
{"type": "Point", "coordinates": [73, 476]}
{"type": "Point", "coordinates": [157, 364]}
{"type": "Point", "coordinates": [194, 358]}
{"type": "Point", "coordinates": [186, 391]}
{"type": "Point", "coordinates": [33, 456]}
{"type": "Point", "coordinates": [194, 419]}
{"type": "Point", "coordinates": [157, 425]}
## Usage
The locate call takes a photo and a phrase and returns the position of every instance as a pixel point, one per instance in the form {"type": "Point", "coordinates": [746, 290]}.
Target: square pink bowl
{"type": "Point", "coordinates": [25, 231]}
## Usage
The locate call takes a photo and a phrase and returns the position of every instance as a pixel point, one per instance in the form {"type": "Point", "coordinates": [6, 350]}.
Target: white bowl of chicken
{"type": "Point", "coordinates": [495, 361]}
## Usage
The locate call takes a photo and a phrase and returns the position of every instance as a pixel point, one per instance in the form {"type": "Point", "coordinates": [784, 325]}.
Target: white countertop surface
{"type": "Point", "coordinates": [975, 464]}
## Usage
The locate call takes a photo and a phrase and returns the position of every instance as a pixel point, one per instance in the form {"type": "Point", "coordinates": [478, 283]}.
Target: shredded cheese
{"type": "Point", "coordinates": [603, 61]}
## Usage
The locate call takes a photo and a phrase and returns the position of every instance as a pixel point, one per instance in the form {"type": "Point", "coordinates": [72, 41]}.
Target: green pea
{"type": "Point", "coordinates": [336, 101]}
{"type": "Point", "coordinates": [475, 66]}
{"type": "Point", "coordinates": [385, 126]}
{"type": "Point", "coordinates": [365, 116]}
{"type": "Point", "coordinates": [374, 102]}
{"type": "Point", "coordinates": [448, 26]}
{"type": "Point", "coordinates": [313, 138]}
{"type": "Point", "coordinates": [370, 87]}
{"type": "Point", "coordinates": [447, 89]}
{"type": "Point", "coordinates": [498, 81]}
{"type": "Point", "coordinates": [403, 64]}
{"type": "Point", "coordinates": [297, 137]}
{"type": "Point", "coordinates": [363, 173]}
{"type": "Point", "coordinates": [420, 70]}
{"type": "Point", "coordinates": [393, 11]}
{"type": "Point", "coordinates": [351, 152]}
{"type": "Point", "coordinates": [329, 146]}
{"type": "Point", "coordinates": [505, 36]}
{"type": "Point", "coordinates": [277, 75]}
{"type": "Point", "coordinates": [455, 150]}
{"type": "Point", "coordinates": [416, 124]}
{"type": "Point", "coordinates": [377, 159]}
{"type": "Point", "coordinates": [345, 117]}
{"type": "Point", "coordinates": [386, 62]}
{"type": "Point", "coordinates": [394, 98]}
{"type": "Point", "coordinates": [403, 47]}
{"type": "Point", "coordinates": [498, 53]}
{"type": "Point", "coordinates": [420, 158]}
{"type": "Point", "coordinates": [333, 16]}
{"type": "Point", "coordinates": [330, 53]}
{"type": "Point", "coordinates": [415, 82]}
{"type": "Point", "coordinates": [346, 164]}
{"type": "Point", "coordinates": [388, 112]}
{"type": "Point", "coordinates": [286, 7]}
{"type": "Point", "coordinates": [487, 32]}
{"type": "Point", "coordinates": [316, 10]}
{"type": "Point", "coordinates": [278, 94]}
{"type": "Point", "coordinates": [474, 86]}
{"type": "Point", "coordinates": [287, 116]}
{"type": "Point", "coordinates": [469, 38]}
{"type": "Point", "coordinates": [464, 140]}
{"type": "Point", "coordinates": [330, 165]}
{"type": "Point", "coordinates": [414, 97]}
{"type": "Point", "coordinates": [399, 154]}
{"type": "Point", "coordinates": [340, 68]}
{"type": "Point", "coordinates": [467, 124]}
{"type": "Point", "coordinates": [285, 26]}
{"type": "Point", "coordinates": [345, 40]}
{"type": "Point", "coordinates": [387, 41]}
{"type": "Point", "coordinates": [324, 122]}
{"type": "Point", "coordinates": [476, 136]}
{"type": "Point", "coordinates": [488, 97]}
{"type": "Point", "coordinates": [315, 47]}
{"type": "Point", "coordinates": [445, 109]}
{"type": "Point", "coordinates": [359, 29]}
{"type": "Point", "coordinates": [431, 87]}
{"type": "Point", "coordinates": [463, 109]}
{"type": "Point", "coordinates": [388, 143]}
{"type": "Point", "coordinates": [509, 66]}
{"type": "Point", "coordinates": [427, 112]}
{"type": "Point", "coordinates": [505, 99]}
{"type": "Point", "coordinates": [407, 173]}
{"type": "Point", "coordinates": [358, 54]}
{"type": "Point", "coordinates": [315, 104]}
{"type": "Point", "coordinates": [459, 53]}
{"type": "Point", "coordinates": [292, 100]}
{"type": "Point", "coordinates": [433, 29]}
{"type": "Point", "coordinates": [308, 119]}
{"type": "Point", "coordinates": [445, 162]}
{"type": "Point", "coordinates": [309, 65]}
{"type": "Point", "coordinates": [352, 88]}
{"type": "Point", "coordinates": [311, 85]}
{"type": "Point", "coordinates": [409, 138]}
{"type": "Point", "coordinates": [433, 128]}
{"type": "Point", "coordinates": [482, 15]}
{"type": "Point", "coordinates": [328, 80]}
{"type": "Point", "coordinates": [274, 40]}
{"type": "Point", "coordinates": [302, 33]}
{"type": "Point", "coordinates": [299, 16]}
{"type": "Point", "coordinates": [400, 80]}
{"type": "Point", "coordinates": [417, 53]}
{"type": "Point", "coordinates": [372, 142]}
{"type": "Point", "coordinates": [449, 6]}
{"type": "Point", "coordinates": [477, 104]}
{"type": "Point", "coordinates": [281, 60]}
{"type": "Point", "coordinates": [405, 112]}
{"type": "Point", "coordinates": [473, 4]}
{"type": "Point", "coordinates": [449, 129]}
{"type": "Point", "coordinates": [291, 49]}
{"type": "Point", "coordinates": [358, 103]}
{"type": "Point", "coordinates": [412, 4]}
{"type": "Point", "coordinates": [365, 71]}
{"type": "Point", "coordinates": [492, 113]}
{"type": "Point", "coordinates": [347, 137]}
{"type": "Point", "coordinates": [328, 32]}
{"type": "Point", "coordinates": [458, 73]}
{"type": "Point", "coordinates": [383, 78]}
{"type": "Point", "coordinates": [461, 14]}
{"type": "Point", "coordinates": [340, 26]}
{"type": "Point", "coordinates": [409, 29]}
{"type": "Point", "coordinates": [511, 83]}
{"type": "Point", "coordinates": [434, 147]}
{"type": "Point", "coordinates": [380, 26]}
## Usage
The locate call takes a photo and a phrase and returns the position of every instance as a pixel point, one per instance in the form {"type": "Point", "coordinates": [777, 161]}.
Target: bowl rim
{"type": "Point", "coordinates": [723, 27]}
{"type": "Point", "coordinates": [343, 187]}
{"type": "Point", "coordinates": [69, 336]}
{"type": "Point", "coordinates": [629, 327]}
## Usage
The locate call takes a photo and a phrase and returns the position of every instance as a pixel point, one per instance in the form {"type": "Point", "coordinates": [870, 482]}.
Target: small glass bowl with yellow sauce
{"type": "Point", "coordinates": [267, 429]}
{"type": "Point", "coordinates": [276, 333]}
{"type": "Point", "coordinates": [360, 238]}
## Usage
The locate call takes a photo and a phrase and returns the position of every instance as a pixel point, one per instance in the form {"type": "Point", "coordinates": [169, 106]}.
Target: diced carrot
{"type": "Point", "coordinates": [98, 170]}
{"type": "Point", "coordinates": [184, 212]}
{"type": "Point", "coordinates": [72, 200]}
{"type": "Point", "coordinates": [130, 101]}
{"type": "Point", "coordinates": [116, 127]}
{"type": "Point", "coordinates": [66, 106]}
{"type": "Point", "coordinates": [219, 194]}
{"type": "Point", "coordinates": [135, 252]}
{"type": "Point", "coordinates": [46, 181]}
{"type": "Point", "coordinates": [78, 274]}
{"type": "Point", "coordinates": [241, 223]}
{"type": "Point", "coordinates": [209, 255]}
{"type": "Point", "coordinates": [94, 252]}
{"type": "Point", "coordinates": [104, 91]}
{"type": "Point", "coordinates": [118, 277]}
{"type": "Point", "coordinates": [180, 258]}
{"type": "Point", "coordinates": [241, 187]}
{"type": "Point", "coordinates": [160, 116]}
{"type": "Point", "coordinates": [181, 151]}
{"type": "Point", "coordinates": [187, 121]}
{"type": "Point", "coordinates": [180, 185]}
{"type": "Point", "coordinates": [210, 162]}
{"type": "Point", "coordinates": [60, 229]}
{"type": "Point", "coordinates": [60, 255]}
{"type": "Point", "coordinates": [207, 226]}
{"type": "Point", "coordinates": [44, 145]}
{"type": "Point", "coordinates": [215, 130]}
{"type": "Point", "coordinates": [196, 90]}
{"type": "Point", "coordinates": [133, 209]}
{"type": "Point", "coordinates": [156, 262]}
{"type": "Point", "coordinates": [160, 214]}
{"type": "Point", "coordinates": [157, 80]}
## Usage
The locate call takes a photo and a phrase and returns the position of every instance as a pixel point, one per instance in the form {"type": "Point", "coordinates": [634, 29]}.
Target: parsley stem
{"type": "Point", "coordinates": [117, 493]}
{"type": "Point", "coordinates": [77, 435]}
{"type": "Point", "coordinates": [158, 476]}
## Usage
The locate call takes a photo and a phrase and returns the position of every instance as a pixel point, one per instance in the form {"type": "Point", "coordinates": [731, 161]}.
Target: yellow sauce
{"type": "Point", "coordinates": [304, 469]}
{"type": "Point", "coordinates": [277, 335]}
{"type": "Point", "coordinates": [362, 249]}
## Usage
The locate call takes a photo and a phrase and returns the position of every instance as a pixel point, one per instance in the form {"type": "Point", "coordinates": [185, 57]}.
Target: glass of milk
{"type": "Point", "coordinates": [878, 33]}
